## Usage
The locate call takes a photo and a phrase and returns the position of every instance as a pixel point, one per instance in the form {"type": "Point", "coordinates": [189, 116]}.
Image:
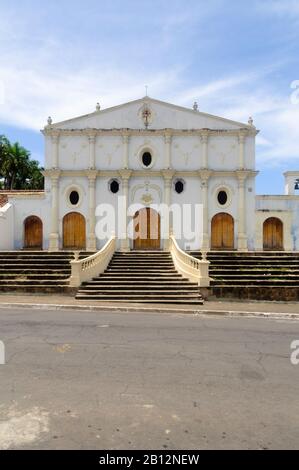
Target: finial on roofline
{"type": "Point", "coordinates": [250, 121]}
{"type": "Point", "coordinates": [98, 107]}
{"type": "Point", "coordinates": [49, 121]}
{"type": "Point", "coordinates": [195, 106]}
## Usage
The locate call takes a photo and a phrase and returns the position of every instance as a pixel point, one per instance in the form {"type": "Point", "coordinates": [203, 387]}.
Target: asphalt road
{"type": "Point", "coordinates": [78, 380]}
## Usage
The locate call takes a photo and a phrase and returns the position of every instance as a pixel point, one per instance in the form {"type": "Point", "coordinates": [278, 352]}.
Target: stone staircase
{"type": "Point", "coordinates": [36, 271]}
{"type": "Point", "coordinates": [142, 277]}
{"type": "Point", "coordinates": [266, 275]}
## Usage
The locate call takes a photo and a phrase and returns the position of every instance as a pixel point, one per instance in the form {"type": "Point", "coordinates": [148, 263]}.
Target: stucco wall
{"type": "Point", "coordinates": [7, 227]}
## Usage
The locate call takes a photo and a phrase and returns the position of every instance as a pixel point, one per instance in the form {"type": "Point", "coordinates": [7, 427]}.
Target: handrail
{"type": "Point", "coordinates": [192, 268]}
{"type": "Point", "coordinates": [85, 269]}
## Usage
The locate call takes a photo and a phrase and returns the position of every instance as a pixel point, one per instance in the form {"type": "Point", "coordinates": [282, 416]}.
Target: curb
{"type": "Point", "coordinates": [116, 309]}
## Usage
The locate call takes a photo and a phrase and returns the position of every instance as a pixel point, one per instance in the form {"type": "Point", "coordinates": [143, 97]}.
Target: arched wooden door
{"type": "Point", "coordinates": [273, 234]}
{"type": "Point", "coordinates": [33, 233]}
{"type": "Point", "coordinates": [147, 229]}
{"type": "Point", "coordinates": [74, 231]}
{"type": "Point", "coordinates": [222, 232]}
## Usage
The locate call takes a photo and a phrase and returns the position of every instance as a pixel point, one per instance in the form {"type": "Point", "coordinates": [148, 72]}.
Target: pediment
{"type": "Point", "coordinates": [161, 115]}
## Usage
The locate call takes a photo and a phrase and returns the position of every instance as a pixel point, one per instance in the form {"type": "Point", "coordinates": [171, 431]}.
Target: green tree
{"type": "Point", "coordinates": [17, 170]}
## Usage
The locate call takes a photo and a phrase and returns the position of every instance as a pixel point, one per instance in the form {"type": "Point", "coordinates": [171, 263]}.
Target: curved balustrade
{"type": "Point", "coordinates": [192, 268]}
{"type": "Point", "coordinates": [87, 268]}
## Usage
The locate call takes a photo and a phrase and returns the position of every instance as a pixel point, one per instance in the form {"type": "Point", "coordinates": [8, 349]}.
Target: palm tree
{"type": "Point", "coordinates": [17, 171]}
{"type": "Point", "coordinates": [15, 165]}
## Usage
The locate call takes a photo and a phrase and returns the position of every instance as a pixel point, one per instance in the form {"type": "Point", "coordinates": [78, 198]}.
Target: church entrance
{"type": "Point", "coordinates": [147, 230]}
{"type": "Point", "coordinates": [222, 232]}
{"type": "Point", "coordinates": [74, 231]}
{"type": "Point", "coordinates": [273, 234]}
{"type": "Point", "coordinates": [33, 233]}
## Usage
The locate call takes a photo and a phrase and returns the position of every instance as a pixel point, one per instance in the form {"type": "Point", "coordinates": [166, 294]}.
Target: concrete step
{"type": "Point", "coordinates": [141, 277]}
{"type": "Point", "coordinates": [130, 282]}
{"type": "Point", "coordinates": [144, 301]}
{"type": "Point", "coordinates": [142, 287]}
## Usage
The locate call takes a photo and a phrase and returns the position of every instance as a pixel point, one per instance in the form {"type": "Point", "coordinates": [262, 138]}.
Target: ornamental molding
{"type": "Point", "coordinates": [53, 173]}
{"type": "Point", "coordinates": [244, 132]}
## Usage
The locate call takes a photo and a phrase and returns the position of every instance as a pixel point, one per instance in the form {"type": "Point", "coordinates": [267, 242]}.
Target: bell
{"type": "Point", "coordinates": [296, 186]}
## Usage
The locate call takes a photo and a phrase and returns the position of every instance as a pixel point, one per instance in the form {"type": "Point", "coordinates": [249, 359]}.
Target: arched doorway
{"type": "Point", "coordinates": [273, 234]}
{"type": "Point", "coordinates": [74, 231]}
{"type": "Point", "coordinates": [147, 229]}
{"type": "Point", "coordinates": [222, 232]}
{"type": "Point", "coordinates": [33, 233]}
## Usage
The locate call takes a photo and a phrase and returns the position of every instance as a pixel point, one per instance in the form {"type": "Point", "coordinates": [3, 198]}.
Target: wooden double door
{"type": "Point", "coordinates": [74, 231]}
{"type": "Point", "coordinates": [222, 232]}
{"type": "Point", "coordinates": [273, 234]}
{"type": "Point", "coordinates": [33, 233]}
{"type": "Point", "coordinates": [147, 230]}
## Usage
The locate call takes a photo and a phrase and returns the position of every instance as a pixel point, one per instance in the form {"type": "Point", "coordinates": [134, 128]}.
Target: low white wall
{"type": "Point", "coordinates": [7, 227]}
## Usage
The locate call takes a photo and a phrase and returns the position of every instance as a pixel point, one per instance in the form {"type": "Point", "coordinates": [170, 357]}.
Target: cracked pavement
{"type": "Point", "coordinates": [102, 380]}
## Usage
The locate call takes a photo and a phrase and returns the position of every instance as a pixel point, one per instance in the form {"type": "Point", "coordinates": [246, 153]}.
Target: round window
{"type": "Point", "coordinates": [114, 186]}
{"type": "Point", "coordinates": [222, 198]}
{"type": "Point", "coordinates": [74, 198]}
{"type": "Point", "coordinates": [179, 186]}
{"type": "Point", "coordinates": [146, 159]}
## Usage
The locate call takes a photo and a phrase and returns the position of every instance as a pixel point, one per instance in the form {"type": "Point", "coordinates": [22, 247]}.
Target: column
{"type": "Point", "coordinates": [125, 176]}
{"type": "Point", "coordinates": [166, 223]}
{"type": "Point", "coordinates": [92, 149]}
{"type": "Point", "coordinates": [241, 138]}
{"type": "Point", "coordinates": [167, 138]}
{"type": "Point", "coordinates": [54, 235]}
{"type": "Point", "coordinates": [91, 239]}
{"type": "Point", "coordinates": [55, 149]}
{"type": "Point", "coordinates": [205, 176]}
{"type": "Point", "coordinates": [126, 138]}
{"type": "Point", "coordinates": [205, 139]}
{"type": "Point", "coordinates": [242, 236]}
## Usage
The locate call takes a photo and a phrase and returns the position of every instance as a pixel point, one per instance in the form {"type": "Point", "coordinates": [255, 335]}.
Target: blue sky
{"type": "Point", "coordinates": [235, 58]}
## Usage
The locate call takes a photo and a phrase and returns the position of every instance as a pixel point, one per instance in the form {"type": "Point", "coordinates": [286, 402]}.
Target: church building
{"type": "Point", "coordinates": [144, 154]}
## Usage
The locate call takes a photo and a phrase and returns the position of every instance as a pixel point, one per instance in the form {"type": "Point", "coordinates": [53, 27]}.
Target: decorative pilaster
{"type": "Point", "coordinates": [242, 236]}
{"type": "Point", "coordinates": [204, 136]}
{"type": "Point", "coordinates": [167, 138]}
{"type": "Point", "coordinates": [126, 138]}
{"type": "Point", "coordinates": [92, 136]}
{"type": "Point", "coordinates": [205, 176]}
{"type": "Point", "coordinates": [55, 149]}
{"type": "Point", "coordinates": [241, 138]}
{"type": "Point", "coordinates": [54, 235]}
{"type": "Point", "coordinates": [125, 176]}
{"type": "Point", "coordinates": [91, 239]}
{"type": "Point", "coordinates": [167, 175]}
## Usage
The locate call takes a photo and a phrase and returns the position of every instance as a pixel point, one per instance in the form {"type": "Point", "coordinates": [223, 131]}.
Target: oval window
{"type": "Point", "coordinates": [179, 186]}
{"type": "Point", "coordinates": [146, 159]}
{"type": "Point", "coordinates": [114, 186]}
{"type": "Point", "coordinates": [222, 198]}
{"type": "Point", "coordinates": [74, 198]}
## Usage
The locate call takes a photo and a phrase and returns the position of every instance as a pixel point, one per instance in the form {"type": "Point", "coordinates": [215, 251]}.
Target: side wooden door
{"type": "Point", "coordinates": [74, 231]}
{"type": "Point", "coordinates": [33, 233]}
{"type": "Point", "coordinates": [273, 234]}
{"type": "Point", "coordinates": [222, 232]}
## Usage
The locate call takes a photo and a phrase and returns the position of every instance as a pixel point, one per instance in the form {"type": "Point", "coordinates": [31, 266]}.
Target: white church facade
{"type": "Point", "coordinates": [138, 157]}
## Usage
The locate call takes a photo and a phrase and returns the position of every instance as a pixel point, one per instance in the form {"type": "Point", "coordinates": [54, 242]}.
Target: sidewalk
{"type": "Point", "coordinates": [54, 302]}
